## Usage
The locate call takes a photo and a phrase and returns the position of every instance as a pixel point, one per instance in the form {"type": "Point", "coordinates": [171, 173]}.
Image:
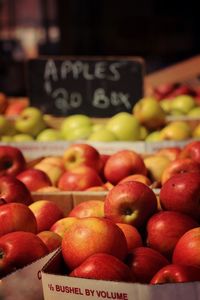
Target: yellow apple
{"type": "Point", "coordinates": [156, 165]}
{"type": "Point", "coordinates": [149, 112]}
{"type": "Point", "coordinates": [176, 130]}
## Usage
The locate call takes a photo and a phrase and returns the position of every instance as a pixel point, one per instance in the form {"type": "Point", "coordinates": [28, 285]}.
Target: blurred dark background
{"type": "Point", "coordinates": [30, 28]}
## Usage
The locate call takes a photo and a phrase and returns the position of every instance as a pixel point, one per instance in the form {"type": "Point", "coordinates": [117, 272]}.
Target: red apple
{"type": "Point", "coordinates": [15, 107]}
{"type": "Point", "coordinates": [171, 152]}
{"type": "Point", "coordinates": [13, 190]}
{"type": "Point", "coordinates": [34, 179]}
{"type": "Point", "coordinates": [3, 102]}
{"type": "Point", "coordinates": [52, 166]}
{"type": "Point", "coordinates": [180, 166]}
{"type": "Point", "coordinates": [80, 154]}
{"type": "Point", "coordinates": [101, 188]}
{"type": "Point", "coordinates": [174, 273]}
{"type": "Point", "coordinates": [51, 239]}
{"type": "Point", "coordinates": [79, 179]}
{"type": "Point", "coordinates": [103, 266]}
{"type": "Point", "coordinates": [137, 177]}
{"type": "Point", "coordinates": [182, 90]}
{"type": "Point", "coordinates": [132, 235]}
{"type": "Point", "coordinates": [90, 208]}
{"type": "Point", "coordinates": [192, 151]}
{"type": "Point", "coordinates": [181, 193]}
{"type": "Point", "coordinates": [92, 235]}
{"type": "Point", "coordinates": [130, 202]}
{"type": "Point", "coordinates": [62, 225]}
{"type": "Point", "coordinates": [104, 158]}
{"type": "Point", "coordinates": [12, 160]}
{"type": "Point", "coordinates": [122, 164]}
{"type": "Point", "coordinates": [16, 217]}
{"type": "Point", "coordinates": [163, 90]}
{"type": "Point", "coordinates": [165, 228]}
{"type": "Point", "coordinates": [187, 248]}
{"type": "Point", "coordinates": [46, 213]}
{"type": "Point", "coordinates": [145, 263]}
{"type": "Point", "coordinates": [18, 249]}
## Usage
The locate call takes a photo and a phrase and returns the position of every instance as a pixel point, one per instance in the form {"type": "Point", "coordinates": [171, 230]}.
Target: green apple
{"type": "Point", "coordinates": [154, 136]}
{"type": "Point", "coordinates": [183, 103]}
{"type": "Point", "coordinates": [102, 135]}
{"type": "Point", "coordinates": [75, 121]}
{"type": "Point", "coordinates": [176, 130]}
{"type": "Point", "coordinates": [97, 126]}
{"type": "Point", "coordinates": [166, 105]}
{"type": "Point", "coordinates": [194, 112]}
{"type": "Point", "coordinates": [6, 138]}
{"type": "Point", "coordinates": [143, 132]}
{"type": "Point", "coordinates": [125, 126]}
{"type": "Point", "coordinates": [4, 125]}
{"type": "Point", "coordinates": [149, 113]}
{"type": "Point", "coordinates": [22, 137]}
{"type": "Point", "coordinates": [79, 133]}
{"type": "Point", "coordinates": [196, 132]}
{"type": "Point", "coordinates": [49, 134]}
{"type": "Point", "coordinates": [175, 112]}
{"type": "Point", "coordinates": [30, 121]}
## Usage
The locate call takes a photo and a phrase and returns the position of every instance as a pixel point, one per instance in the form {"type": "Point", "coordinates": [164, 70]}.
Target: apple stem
{"type": "Point", "coordinates": [1, 254]}
{"type": "Point", "coordinates": [2, 201]}
{"type": "Point", "coordinates": [127, 211]}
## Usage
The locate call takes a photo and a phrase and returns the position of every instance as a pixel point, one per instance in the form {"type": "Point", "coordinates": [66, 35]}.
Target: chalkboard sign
{"type": "Point", "coordinates": [97, 86]}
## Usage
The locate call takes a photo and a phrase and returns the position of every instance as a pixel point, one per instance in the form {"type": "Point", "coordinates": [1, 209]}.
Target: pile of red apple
{"type": "Point", "coordinates": [133, 235]}
{"type": "Point", "coordinates": [171, 90]}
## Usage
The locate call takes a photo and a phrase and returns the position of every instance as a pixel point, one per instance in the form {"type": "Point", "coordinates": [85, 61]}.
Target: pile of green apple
{"type": "Point", "coordinates": [147, 122]}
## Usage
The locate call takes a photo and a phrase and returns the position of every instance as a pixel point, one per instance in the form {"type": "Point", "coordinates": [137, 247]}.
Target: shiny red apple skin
{"type": "Point", "coordinates": [18, 249]}
{"type": "Point", "coordinates": [79, 179]}
{"type": "Point", "coordinates": [80, 154]}
{"type": "Point", "coordinates": [145, 262]}
{"type": "Point", "coordinates": [174, 273]}
{"type": "Point", "coordinates": [90, 208]}
{"type": "Point", "coordinates": [34, 179]}
{"type": "Point", "coordinates": [181, 193]}
{"type": "Point", "coordinates": [103, 266]}
{"type": "Point", "coordinates": [130, 202]}
{"type": "Point", "coordinates": [122, 164]}
{"type": "Point", "coordinates": [46, 213]}
{"type": "Point", "coordinates": [192, 151]}
{"type": "Point", "coordinates": [92, 235]}
{"type": "Point", "coordinates": [12, 160]}
{"type": "Point", "coordinates": [16, 217]}
{"type": "Point", "coordinates": [13, 190]}
{"type": "Point", "coordinates": [181, 165]}
{"type": "Point", "coordinates": [165, 228]}
{"type": "Point", "coordinates": [187, 248]}
{"type": "Point", "coordinates": [51, 239]}
{"type": "Point", "coordinates": [132, 235]}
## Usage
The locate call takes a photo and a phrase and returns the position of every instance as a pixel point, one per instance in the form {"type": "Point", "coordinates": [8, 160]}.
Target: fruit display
{"type": "Point", "coordinates": [161, 248]}
{"type": "Point", "coordinates": [82, 167]}
{"type": "Point", "coordinates": [170, 112]}
{"type": "Point", "coordinates": [132, 235]}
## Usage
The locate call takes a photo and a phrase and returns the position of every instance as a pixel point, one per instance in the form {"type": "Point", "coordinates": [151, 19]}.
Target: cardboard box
{"type": "Point", "coordinates": [57, 285]}
{"type": "Point", "coordinates": [24, 283]}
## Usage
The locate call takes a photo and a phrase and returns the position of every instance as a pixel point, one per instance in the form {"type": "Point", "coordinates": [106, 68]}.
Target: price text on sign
{"type": "Point", "coordinates": [98, 87]}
